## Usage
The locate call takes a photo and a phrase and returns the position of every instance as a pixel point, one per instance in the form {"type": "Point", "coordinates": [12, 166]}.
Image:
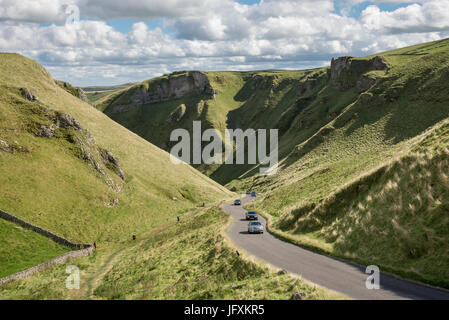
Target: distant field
{"type": "Point", "coordinates": [95, 93]}
{"type": "Point", "coordinates": [93, 96]}
{"type": "Point", "coordinates": [107, 88]}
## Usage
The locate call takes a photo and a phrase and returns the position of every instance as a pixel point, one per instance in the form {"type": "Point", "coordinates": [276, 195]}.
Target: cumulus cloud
{"type": "Point", "coordinates": [429, 17]}
{"type": "Point", "coordinates": [145, 9]}
{"type": "Point", "coordinates": [53, 11]}
{"type": "Point", "coordinates": [36, 11]}
{"type": "Point", "coordinates": [216, 34]}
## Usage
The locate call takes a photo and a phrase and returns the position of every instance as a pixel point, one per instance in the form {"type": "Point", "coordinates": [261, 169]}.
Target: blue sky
{"type": "Point", "coordinates": [119, 41]}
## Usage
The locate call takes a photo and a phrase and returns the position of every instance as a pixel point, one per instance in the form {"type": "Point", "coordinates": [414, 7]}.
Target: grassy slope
{"type": "Point", "coordinates": [22, 248]}
{"type": "Point", "coordinates": [189, 260]}
{"type": "Point", "coordinates": [50, 186]}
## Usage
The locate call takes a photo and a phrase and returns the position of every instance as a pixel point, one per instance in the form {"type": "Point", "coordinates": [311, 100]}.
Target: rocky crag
{"type": "Point", "coordinates": [173, 86]}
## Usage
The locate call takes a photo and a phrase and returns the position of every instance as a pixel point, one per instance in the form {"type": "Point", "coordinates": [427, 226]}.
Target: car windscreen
{"type": "Point", "coordinates": [255, 223]}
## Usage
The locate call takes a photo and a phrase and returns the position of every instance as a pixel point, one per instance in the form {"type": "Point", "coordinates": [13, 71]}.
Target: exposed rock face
{"type": "Point", "coordinates": [345, 72]}
{"type": "Point", "coordinates": [60, 120]}
{"type": "Point", "coordinates": [62, 125]}
{"type": "Point", "coordinates": [364, 83]}
{"type": "Point", "coordinates": [176, 86]}
{"type": "Point", "coordinates": [112, 163]}
{"type": "Point", "coordinates": [261, 82]}
{"type": "Point", "coordinates": [337, 66]}
{"type": "Point", "coordinates": [13, 147]}
{"type": "Point", "coordinates": [82, 95]}
{"type": "Point", "coordinates": [27, 94]}
{"type": "Point", "coordinates": [64, 120]}
{"type": "Point", "coordinates": [46, 132]}
{"type": "Point", "coordinates": [4, 146]}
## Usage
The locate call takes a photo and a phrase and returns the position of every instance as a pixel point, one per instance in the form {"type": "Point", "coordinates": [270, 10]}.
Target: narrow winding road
{"type": "Point", "coordinates": [334, 274]}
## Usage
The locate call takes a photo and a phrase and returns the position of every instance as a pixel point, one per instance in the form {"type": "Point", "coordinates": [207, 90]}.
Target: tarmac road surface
{"type": "Point", "coordinates": [328, 272]}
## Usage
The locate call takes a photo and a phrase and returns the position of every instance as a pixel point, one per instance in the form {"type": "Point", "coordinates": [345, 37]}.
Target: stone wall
{"type": "Point", "coordinates": [40, 267]}
{"type": "Point", "coordinates": [83, 249]}
{"type": "Point", "coordinates": [48, 234]}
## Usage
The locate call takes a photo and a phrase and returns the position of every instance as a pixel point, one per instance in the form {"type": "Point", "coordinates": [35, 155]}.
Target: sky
{"type": "Point", "coordinates": [108, 42]}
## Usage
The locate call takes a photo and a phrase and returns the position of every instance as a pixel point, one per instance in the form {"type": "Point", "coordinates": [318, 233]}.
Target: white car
{"type": "Point", "coordinates": [255, 227]}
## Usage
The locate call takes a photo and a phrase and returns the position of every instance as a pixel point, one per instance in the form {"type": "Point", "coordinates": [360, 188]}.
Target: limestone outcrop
{"type": "Point", "coordinates": [176, 85]}
{"type": "Point", "coordinates": [346, 72]}
{"type": "Point", "coordinates": [62, 125]}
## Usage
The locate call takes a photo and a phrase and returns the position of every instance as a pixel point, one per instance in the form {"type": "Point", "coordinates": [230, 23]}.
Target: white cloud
{"type": "Point", "coordinates": [146, 9]}
{"type": "Point", "coordinates": [53, 11]}
{"type": "Point", "coordinates": [212, 35]}
{"type": "Point", "coordinates": [42, 11]}
{"type": "Point", "coordinates": [429, 17]}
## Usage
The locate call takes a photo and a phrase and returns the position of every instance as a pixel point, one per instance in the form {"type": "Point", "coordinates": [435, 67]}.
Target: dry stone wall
{"type": "Point", "coordinates": [83, 249]}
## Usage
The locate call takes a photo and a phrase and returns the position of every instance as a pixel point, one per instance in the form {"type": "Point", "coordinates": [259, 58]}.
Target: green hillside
{"type": "Point", "coordinates": [338, 125]}
{"type": "Point", "coordinates": [85, 178]}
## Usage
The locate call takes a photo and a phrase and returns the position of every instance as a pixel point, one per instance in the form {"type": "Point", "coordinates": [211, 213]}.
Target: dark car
{"type": "Point", "coordinates": [251, 215]}
{"type": "Point", "coordinates": [253, 194]}
{"type": "Point", "coordinates": [237, 202]}
{"type": "Point", "coordinates": [248, 192]}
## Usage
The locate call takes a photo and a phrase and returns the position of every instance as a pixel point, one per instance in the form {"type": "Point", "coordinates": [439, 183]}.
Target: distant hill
{"type": "Point", "coordinates": [108, 88]}
{"type": "Point", "coordinates": [95, 93]}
